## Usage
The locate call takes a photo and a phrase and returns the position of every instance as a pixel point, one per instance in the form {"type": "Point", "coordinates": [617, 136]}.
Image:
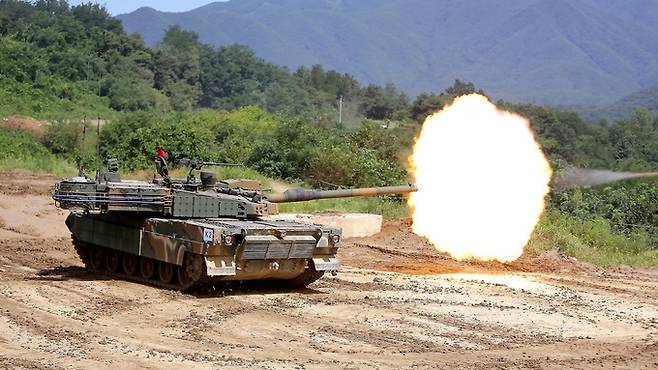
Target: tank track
{"type": "Point", "coordinates": [204, 284]}
{"type": "Point", "coordinates": [309, 276]}
{"type": "Point", "coordinates": [83, 250]}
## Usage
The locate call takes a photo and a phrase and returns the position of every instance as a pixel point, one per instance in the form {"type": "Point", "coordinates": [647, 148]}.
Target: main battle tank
{"type": "Point", "coordinates": [191, 233]}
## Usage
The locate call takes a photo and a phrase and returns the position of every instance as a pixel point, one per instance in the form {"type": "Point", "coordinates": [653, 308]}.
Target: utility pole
{"type": "Point", "coordinates": [340, 111]}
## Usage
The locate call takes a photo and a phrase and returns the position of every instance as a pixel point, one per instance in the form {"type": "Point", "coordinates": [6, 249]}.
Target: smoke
{"type": "Point", "coordinates": [580, 177]}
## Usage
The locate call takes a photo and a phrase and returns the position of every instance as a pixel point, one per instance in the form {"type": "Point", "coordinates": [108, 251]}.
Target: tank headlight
{"type": "Point", "coordinates": [335, 239]}
{"type": "Point", "coordinates": [228, 239]}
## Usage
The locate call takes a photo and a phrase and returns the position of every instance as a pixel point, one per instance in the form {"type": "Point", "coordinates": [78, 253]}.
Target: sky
{"type": "Point", "coordinates": [116, 7]}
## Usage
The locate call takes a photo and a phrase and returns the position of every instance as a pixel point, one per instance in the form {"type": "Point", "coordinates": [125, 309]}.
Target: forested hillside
{"type": "Point", "coordinates": [66, 62]}
{"type": "Point", "coordinates": [568, 52]}
{"type": "Point", "coordinates": [621, 109]}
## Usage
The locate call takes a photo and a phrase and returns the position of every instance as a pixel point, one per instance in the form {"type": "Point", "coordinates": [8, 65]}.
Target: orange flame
{"type": "Point", "coordinates": [482, 180]}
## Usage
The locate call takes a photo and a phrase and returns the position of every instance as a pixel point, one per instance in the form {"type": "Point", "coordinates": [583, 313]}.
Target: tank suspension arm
{"type": "Point", "coordinates": [300, 195]}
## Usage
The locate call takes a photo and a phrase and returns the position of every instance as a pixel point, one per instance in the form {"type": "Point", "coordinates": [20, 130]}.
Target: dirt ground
{"type": "Point", "coordinates": [28, 124]}
{"type": "Point", "coordinates": [396, 304]}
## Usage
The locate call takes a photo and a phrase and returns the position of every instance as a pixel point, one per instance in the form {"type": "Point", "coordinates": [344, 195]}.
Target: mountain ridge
{"type": "Point", "coordinates": [540, 51]}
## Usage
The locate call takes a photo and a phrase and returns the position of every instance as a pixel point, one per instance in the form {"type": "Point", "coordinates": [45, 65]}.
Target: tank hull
{"type": "Point", "coordinates": [186, 254]}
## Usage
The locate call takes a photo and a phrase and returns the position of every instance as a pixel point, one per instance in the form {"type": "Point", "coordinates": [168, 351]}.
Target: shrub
{"type": "Point", "coordinates": [627, 206]}
{"type": "Point", "coordinates": [593, 240]}
{"type": "Point", "coordinates": [19, 150]}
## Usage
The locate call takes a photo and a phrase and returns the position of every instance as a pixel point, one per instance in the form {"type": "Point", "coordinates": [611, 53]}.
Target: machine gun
{"type": "Point", "coordinates": [197, 164]}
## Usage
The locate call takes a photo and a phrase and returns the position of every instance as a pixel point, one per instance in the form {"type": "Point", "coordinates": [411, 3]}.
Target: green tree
{"type": "Point", "coordinates": [382, 102]}
{"type": "Point", "coordinates": [232, 77]}
{"type": "Point", "coordinates": [460, 88]}
{"type": "Point", "coordinates": [426, 104]}
{"type": "Point", "coordinates": [177, 67]}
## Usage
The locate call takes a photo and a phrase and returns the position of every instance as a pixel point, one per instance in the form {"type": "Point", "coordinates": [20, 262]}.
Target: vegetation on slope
{"type": "Point", "coordinates": [20, 150]}
{"type": "Point", "coordinates": [608, 225]}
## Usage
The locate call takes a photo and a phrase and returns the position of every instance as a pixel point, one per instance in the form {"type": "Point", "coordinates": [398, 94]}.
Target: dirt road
{"type": "Point", "coordinates": [397, 304]}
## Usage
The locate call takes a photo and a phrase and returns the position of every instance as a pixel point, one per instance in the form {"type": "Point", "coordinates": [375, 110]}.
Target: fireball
{"type": "Point", "coordinates": [482, 181]}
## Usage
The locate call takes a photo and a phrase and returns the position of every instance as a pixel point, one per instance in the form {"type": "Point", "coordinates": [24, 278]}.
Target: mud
{"type": "Point", "coordinates": [396, 304]}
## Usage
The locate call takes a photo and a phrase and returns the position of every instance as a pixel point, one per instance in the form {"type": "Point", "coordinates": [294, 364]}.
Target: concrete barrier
{"type": "Point", "coordinates": [354, 225]}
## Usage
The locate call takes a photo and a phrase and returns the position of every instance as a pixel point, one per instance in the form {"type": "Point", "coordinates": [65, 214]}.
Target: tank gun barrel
{"type": "Point", "coordinates": [198, 163]}
{"type": "Point", "coordinates": [300, 195]}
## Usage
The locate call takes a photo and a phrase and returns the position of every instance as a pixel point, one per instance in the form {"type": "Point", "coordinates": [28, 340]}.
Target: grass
{"type": "Point", "coordinates": [593, 241]}
{"type": "Point", "coordinates": [49, 165]}
{"type": "Point", "coordinates": [22, 151]}
{"type": "Point", "coordinates": [24, 99]}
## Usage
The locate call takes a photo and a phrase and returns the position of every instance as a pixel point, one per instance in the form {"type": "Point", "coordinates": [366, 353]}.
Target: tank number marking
{"type": "Point", "coordinates": [208, 235]}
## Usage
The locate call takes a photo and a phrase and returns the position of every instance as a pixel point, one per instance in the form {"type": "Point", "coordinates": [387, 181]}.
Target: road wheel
{"type": "Point", "coordinates": [191, 271]}
{"type": "Point", "coordinates": [166, 272]}
{"type": "Point", "coordinates": [96, 258]}
{"type": "Point", "coordinates": [147, 267]}
{"type": "Point", "coordinates": [129, 264]}
{"type": "Point", "coordinates": [112, 261]}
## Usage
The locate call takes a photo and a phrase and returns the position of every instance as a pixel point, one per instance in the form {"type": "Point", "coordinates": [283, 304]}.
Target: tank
{"type": "Point", "coordinates": [192, 233]}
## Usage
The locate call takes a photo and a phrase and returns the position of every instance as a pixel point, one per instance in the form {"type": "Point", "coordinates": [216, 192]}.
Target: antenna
{"type": "Point", "coordinates": [98, 145]}
{"type": "Point", "coordinates": [81, 170]}
{"type": "Point", "coordinates": [98, 130]}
